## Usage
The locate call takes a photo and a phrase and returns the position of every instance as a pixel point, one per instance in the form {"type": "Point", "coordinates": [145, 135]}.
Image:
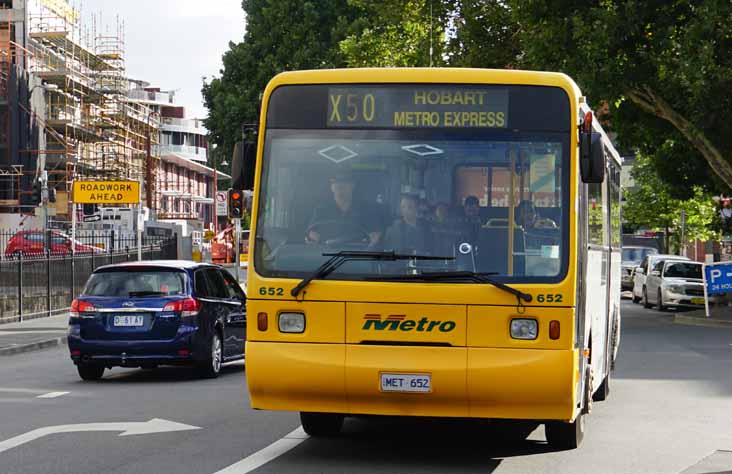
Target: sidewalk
{"type": "Point", "coordinates": [32, 335]}
{"type": "Point", "coordinates": [720, 318]}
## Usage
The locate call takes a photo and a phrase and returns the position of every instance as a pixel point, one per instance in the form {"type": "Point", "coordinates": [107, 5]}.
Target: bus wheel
{"type": "Point", "coordinates": [604, 390]}
{"type": "Point", "coordinates": [321, 424]}
{"type": "Point", "coordinates": [562, 435]}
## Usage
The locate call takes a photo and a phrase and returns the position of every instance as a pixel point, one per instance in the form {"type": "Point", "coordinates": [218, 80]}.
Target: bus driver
{"type": "Point", "coordinates": [342, 218]}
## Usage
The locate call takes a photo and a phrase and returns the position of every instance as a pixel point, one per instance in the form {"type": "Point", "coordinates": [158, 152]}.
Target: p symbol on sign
{"type": "Point", "coordinates": [715, 274]}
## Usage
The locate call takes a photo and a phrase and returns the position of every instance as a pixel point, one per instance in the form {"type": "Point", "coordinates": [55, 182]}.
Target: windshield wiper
{"type": "Point", "coordinates": [339, 258]}
{"type": "Point", "coordinates": [460, 275]}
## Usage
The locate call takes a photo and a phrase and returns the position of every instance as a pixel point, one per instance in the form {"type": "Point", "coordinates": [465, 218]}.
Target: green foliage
{"type": "Point", "coordinates": [663, 66]}
{"type": "Point", "coordinates": [484, 35]}
{"type": "Point", "coordinates": [396, 33]}
{"type": "Point", "coordinates": [281, 35]}
{"type": "Point", "coordinates": [651, 205]}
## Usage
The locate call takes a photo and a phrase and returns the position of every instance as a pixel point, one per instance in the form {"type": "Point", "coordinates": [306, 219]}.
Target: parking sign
{"type": "Point", "coordinates": [718, 278]}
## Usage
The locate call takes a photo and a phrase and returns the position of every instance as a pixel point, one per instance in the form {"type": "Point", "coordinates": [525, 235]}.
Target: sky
{"type": "Point", "coordinates": [172, 44]}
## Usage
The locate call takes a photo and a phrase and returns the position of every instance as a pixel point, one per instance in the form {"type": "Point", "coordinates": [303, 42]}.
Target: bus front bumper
{"type": "Point", "coordinates": [474, 382]}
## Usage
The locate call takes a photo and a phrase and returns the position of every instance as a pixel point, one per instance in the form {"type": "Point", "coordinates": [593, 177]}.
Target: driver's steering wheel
{"type": "Point", "coordinates": [353, 233]}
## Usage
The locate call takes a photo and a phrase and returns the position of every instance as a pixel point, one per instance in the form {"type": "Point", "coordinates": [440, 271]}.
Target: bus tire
{"type": "Point", "coordinates": [321, 424]}
{"type": "Point", "coordinates": [562, 435]}
{"type": "Point", "coordinates": [603, 391]}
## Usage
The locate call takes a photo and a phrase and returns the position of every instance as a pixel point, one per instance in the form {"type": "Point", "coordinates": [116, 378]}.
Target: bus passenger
{"type": "Point", "coordinates": [343, 218]}
{"type": "Point", "coordinates": [471, 219]}
{"type": "Point", "coordinates": [528, 217]}
{"type": "Point", "coordinates": [408, 234]}
{"type": "Point", "coordinates": [446, 235]}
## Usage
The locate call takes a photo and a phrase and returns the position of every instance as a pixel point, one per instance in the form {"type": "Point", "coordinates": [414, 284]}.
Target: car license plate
{"type": "Point", "coordinates": [127, 321]}
{"type": "Point", "coordinates": [419, 383]}
{"type": "Point", "coordinates": [697, 301]}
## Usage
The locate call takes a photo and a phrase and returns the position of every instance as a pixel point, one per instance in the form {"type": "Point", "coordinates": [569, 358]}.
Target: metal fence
{"type": "Point", "coordinates": [36, 243]}
{"type": "Point", "coordinates": [40, 285]}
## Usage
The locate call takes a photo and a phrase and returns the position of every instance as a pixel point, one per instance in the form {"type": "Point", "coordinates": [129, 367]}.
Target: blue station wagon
{"type": "Point", "coordinates": [145, 314]}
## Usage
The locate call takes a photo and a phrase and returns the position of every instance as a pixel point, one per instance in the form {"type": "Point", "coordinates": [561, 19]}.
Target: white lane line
{"type": "Point", "coordinates": [31, 331]}
{"type": "Point", "coordinates": [263, 456]}
{"type": "Point", "coordinates": [53, 395]}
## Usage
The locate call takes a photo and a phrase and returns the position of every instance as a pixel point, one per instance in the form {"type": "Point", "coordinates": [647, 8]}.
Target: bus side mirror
{"type": "Point", "coordinates": [592, 158]}
{"type": "Point", "coordinates": [243, 163]}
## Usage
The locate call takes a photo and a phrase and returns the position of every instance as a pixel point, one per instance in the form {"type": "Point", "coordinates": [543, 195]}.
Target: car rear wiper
{"type": "Point", "coordinates": [459, 275]}
{"type": "Point", "coordinates": [339, 258]}
{"type": "Point", "coordinates": [134, 294]}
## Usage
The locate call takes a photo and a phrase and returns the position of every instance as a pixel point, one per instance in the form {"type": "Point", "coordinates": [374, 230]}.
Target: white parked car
{"type": "Point", "coordinates": [674, 283]}
{"type": "Point", "coordinates": [641, 271]}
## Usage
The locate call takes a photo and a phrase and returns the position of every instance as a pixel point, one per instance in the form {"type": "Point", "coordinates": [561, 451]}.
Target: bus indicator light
{"type": "Point", "coordinates": [262, 321]}
{"type": "Point", "coordinates": [554, 330]}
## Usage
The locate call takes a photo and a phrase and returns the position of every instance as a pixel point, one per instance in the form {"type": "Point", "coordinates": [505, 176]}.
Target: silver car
{"type": "Point", "coordinates": [641, 271]}
{"type": "Point", "coordinates": [674, 283]}
{"type": "Point", "coordinates": [632, 257]}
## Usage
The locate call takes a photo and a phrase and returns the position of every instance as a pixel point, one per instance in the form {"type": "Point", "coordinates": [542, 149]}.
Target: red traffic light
{"type": "Point", "coordinates": [235, 195]}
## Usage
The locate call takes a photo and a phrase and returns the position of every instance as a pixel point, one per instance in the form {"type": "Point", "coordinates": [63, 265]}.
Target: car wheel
{"type": "Point", "coordinates": [646, 304]}
{"type": "Point", "coordinates": [661, 306]}
{"type": "Point", "coordinates": [90, 372]}
{"type": "Point", "coordinates": [321, 424]}
{"type": "Point", "coordinates": [211, 367]}
{"type": "Point", "coordinates": [565, 435]}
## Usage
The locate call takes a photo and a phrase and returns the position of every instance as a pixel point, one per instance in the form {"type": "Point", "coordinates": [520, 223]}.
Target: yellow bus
{"type": "Point", "coordinates": [432, 243]}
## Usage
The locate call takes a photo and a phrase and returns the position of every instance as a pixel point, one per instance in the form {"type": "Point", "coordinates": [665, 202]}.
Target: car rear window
{"type": "Point", "coordinates": [139, 282]}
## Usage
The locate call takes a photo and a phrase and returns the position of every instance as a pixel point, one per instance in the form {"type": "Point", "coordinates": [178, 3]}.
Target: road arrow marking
{"type": "Point", "coordinates": [265, 455]}
{"type": "Point", "coordinates": [156, 425]}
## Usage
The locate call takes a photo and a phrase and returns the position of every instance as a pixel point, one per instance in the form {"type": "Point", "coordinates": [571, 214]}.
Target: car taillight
{"type": "Point", "coordinates": [80, 306]}
{"type": "Point", "coordinates": [186, 307]}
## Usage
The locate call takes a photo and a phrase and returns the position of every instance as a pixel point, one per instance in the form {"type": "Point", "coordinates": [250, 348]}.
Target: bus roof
{"type": "Point", "coordinates": [426, 76]}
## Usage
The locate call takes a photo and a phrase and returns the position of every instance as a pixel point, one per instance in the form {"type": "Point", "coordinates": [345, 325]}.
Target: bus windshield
{"type": "Point", "coordinates": [475, 174]}
{"type": "Point", "coordinates": [413, 192]}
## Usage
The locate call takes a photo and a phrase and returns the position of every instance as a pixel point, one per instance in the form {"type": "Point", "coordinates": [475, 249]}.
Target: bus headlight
{"type": "Point", "coordinates": [524, 329]}
{"type": "Point", "coordinates": [292, 322]}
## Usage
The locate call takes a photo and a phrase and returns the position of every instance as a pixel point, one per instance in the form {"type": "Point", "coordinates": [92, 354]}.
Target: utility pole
{"type": "Point", "coordinates": [44, 199]}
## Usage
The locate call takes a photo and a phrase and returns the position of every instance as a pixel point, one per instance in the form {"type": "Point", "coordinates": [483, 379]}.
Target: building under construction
{"type": "Point", "coordinates": [68, 111]}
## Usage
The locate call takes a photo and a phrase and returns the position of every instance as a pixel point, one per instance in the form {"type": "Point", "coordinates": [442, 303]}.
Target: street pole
{"type": "Point", "coordinates": [140, 223]}
{"type": "Point", "coordinates": [44, 201]}
{"type": "Point", "coordinates": [237, 233]}
{"type": "Point", "coordinates": [683, 232]}
{"type": "Point", "coordinates": [215, 190]}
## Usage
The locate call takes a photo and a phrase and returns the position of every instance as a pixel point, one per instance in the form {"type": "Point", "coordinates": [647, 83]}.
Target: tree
{"type": "Point", "coordinates": [388, 33]}
{"type": "Point", "coordinates": [651, 205]}
{"type": "Point", "coordinates": [281, 35]}
{"type": "Point", "coordinates": [663, 66]}
{"type": "Point", "coordinates": [669, 59]}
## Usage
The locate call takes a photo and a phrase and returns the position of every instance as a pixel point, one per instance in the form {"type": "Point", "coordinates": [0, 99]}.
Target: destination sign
{"type": "Point", "coordinates": [417, 107]}
{"type": "Point", "coordinates": [106, 192]}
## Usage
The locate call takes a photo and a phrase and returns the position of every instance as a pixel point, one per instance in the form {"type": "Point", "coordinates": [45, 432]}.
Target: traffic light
{"type": "Point", "coordinates": [90, 209]}
{"type": "Point", "coordinates": [36, 193]}
{"type": "Point", "coordinates": [236, 204]}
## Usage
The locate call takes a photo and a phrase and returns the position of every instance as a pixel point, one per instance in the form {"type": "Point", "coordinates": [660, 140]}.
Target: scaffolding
{"type": "Point", "coordinates": [94, 131]}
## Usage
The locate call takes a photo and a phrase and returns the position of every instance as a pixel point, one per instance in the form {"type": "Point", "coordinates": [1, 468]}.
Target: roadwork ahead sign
{"type": "Point", "coordinates": [106, 192]}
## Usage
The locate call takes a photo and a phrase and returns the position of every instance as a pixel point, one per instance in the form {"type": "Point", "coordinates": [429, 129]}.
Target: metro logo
{"type": "Point", "coordinates": [399, 322]}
